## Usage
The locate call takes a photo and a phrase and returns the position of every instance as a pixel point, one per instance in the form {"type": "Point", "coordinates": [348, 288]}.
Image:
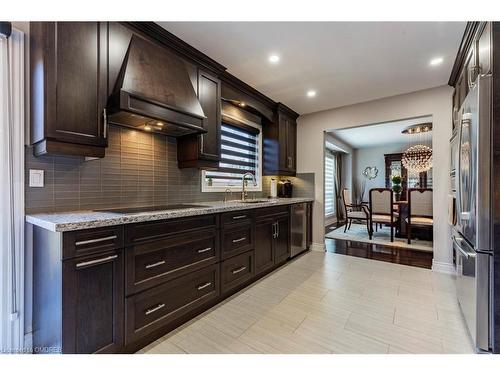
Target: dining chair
{"type": "Point", "coordinates": [381, 209]}
{"type": "Point", "coordinates": [419, 210]}
{"type": "Point", "coordinates": [354, 211]}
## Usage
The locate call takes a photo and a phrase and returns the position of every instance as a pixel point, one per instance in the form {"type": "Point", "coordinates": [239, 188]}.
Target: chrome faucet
{"type": "Point", "coordinates": [227, 191]}
{"type": "Point", "coordinates": [243, 185]}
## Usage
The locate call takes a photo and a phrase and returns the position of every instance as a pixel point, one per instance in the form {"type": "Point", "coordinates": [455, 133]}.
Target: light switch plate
{"type": "Point", "coordinates": [36, 177]}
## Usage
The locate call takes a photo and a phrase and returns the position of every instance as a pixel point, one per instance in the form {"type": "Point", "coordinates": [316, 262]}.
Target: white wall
{"type": "Point", "coordinates": [434, 102]}
{"type": "Point", "coordinates": [373, 157]}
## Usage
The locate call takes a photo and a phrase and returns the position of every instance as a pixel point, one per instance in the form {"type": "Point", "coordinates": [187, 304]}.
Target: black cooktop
{"type": "Point", "coordinates": [131, 210]}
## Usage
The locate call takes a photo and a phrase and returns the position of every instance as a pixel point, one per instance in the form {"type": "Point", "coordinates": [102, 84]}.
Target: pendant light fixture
{"type": "Point", "coordinates": [418, 157]}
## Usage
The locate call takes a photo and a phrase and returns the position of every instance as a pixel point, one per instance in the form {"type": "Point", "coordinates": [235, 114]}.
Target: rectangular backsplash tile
{"type": "Point", "coordinates": [139, 169]}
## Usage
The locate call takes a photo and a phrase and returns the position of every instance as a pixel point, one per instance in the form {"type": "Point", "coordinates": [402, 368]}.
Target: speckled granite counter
{"type": "Point", "coordinates": [76, 220]}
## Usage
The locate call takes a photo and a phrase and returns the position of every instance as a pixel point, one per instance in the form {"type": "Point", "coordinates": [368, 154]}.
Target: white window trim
{"type": "Point", "coordinates": [220, 189]}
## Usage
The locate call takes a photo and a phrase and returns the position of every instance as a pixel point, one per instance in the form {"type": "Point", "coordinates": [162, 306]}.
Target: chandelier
{"type": "Point", "coordinates": [418, 158]}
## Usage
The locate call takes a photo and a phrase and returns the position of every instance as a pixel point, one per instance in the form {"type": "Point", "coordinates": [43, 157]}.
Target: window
{"type": "Point", "coordinates": [330, 193]}
{"type": "Point", "coordinates": [241, 152]}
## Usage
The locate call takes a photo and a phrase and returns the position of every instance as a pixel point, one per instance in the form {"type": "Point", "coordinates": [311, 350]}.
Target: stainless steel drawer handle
{"type": "Point", "coordinates": [159, 307]}
{"type": "Point", "coordinates": [204, 250]}
{"type": "Point", "coordinates": [239, 217]}
{"type": "Point", "coordinates": [96, 261]}
{"type": "Point", "coordinates": [96, 240]}
{"type": "Point", "coordinates": [204, 286]}
{"type": "Point", "coordinates": [153, 265]}
{"type": "Point", "coordinates": [239, 239]}
{"type": "Point", "coordinates": [239, 270]}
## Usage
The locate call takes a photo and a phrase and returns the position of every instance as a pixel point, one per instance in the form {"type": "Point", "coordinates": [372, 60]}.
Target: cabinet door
{"type": "Point", "coordinates": [291, 145]}
{"type": "Point", "coordinates": [283, 142]}
{"type": "Point", "coordinates": [79, 71]}
{"type": "Point", "coordinates": [470, 68]}
{"type": "Point", "coordinates": [264, 243]}
{"type": "Point", "coordinates": [209, 96]}
{"type": "Point", "coordinates": [93, 304]}
{"type": "Point", "coordinates": [282, 241]}
{"type": "Point", "coordinates": [484, 49]}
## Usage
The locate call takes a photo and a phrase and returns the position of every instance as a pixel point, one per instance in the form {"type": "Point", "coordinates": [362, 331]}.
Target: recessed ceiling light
{"type": "Point", "coordinates": [274, 59]}
{"type": "Point", "coordinates": [311, 93]}
{"type": "Point", "coordinates": [436, 61]}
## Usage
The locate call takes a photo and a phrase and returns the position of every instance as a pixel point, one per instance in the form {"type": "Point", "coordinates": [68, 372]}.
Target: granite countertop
{"type": "Point", "coordinates": [76, 220]}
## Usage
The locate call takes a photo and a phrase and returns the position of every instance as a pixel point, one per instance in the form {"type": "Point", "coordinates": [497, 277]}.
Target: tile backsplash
{"type": "Point", "coordinates": [139, 169]}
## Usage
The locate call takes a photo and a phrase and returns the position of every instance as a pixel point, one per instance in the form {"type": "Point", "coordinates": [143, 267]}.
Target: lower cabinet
{"type": "Point", "coordinates": [92, 303]}
{"type": "Point", "coordinates": [236, 271]}
{"type": "Point", "coordinates": [264, 245]}
{"type": "Point", "coordinates": [282, 240]}
{"type": "Point", "coordinates": [115, 289]}
{"type": "Point", "coordinates": [155, 308]}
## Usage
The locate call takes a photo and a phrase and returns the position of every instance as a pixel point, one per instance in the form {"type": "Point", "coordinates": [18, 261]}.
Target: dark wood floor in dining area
{"type": "Point", "coordinates": [382, 253]}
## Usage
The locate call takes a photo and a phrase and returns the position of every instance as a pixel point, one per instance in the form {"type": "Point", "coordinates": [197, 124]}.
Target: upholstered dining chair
{"type": "Point", "coordinates": [381, 209]}
{"type": "Point", "coordinates": [354, 211]}
{"type": "Point", "coordinates": [419, 210]}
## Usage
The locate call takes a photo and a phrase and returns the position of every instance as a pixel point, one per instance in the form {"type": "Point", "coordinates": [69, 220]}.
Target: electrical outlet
{"type": "Point", "coordinates": [36, 177]}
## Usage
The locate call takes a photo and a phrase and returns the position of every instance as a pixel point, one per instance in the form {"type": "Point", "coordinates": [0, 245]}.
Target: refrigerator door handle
{"type": "Point", "coordinates": [458, 244]}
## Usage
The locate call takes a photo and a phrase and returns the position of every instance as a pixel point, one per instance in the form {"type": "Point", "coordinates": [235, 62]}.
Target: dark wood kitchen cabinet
{"type": "Point", "coordinates": [474, 59]}
{"type": "Point", "coordinates": [272, 238]}
{"type": "Point", "coordinates": [203, 151]}
{"type": "Point", "coordinates": [78, 290]}
{"type": "Point", "coordinates": [69, 87]}
{"type": "Point", "coordinates": [280, 138]}
{"type": "Point", "coordinates": [282, 240]}
{"type": "Point", "coordinates": [92, 307]}
{"type": "Point", "coordinates": [264, 244]}
{"type": "Point", "coordinates": [117, 288]}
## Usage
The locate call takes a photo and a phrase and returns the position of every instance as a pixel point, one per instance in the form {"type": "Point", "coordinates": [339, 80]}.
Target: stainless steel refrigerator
{"type": "Point", "coordinates": [472, 233]}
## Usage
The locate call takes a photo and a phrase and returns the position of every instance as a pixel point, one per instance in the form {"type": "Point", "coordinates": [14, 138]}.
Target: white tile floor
{"type": "Point", "coordinates": [330, 303]}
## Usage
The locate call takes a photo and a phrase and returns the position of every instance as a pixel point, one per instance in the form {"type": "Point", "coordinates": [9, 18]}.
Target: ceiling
{"type": "Point", "coordinates": [344, 62]}
{"type": "Point", "coordinates": [379, 134]}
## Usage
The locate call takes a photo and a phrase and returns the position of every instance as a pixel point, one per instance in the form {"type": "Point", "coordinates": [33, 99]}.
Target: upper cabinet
{"type": "Point", "coordinates": [473, 59]}
{"type": "Point", "coordinates": [69, 87]}
{"type": "Point", "coordinates": [203, 151]}
{"type": "Point", "coordinates": [280, 143]}
{"type": "Point", "coordinates": [85, 75]}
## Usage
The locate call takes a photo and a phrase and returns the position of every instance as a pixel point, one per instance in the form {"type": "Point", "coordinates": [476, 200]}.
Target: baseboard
{"type": "Point", "coordinates": [317, 246]}
{"type": "Point", "coordinates": [443, 267]}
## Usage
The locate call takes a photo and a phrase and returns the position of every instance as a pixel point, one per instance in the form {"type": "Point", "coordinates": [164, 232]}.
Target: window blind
{"type": "Point", "coordinates": [239, 154]}
{"type": "Point", "coordinates": [329, 183]}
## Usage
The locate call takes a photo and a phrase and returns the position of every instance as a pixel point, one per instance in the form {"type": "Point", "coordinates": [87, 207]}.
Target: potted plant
{"type": "Point", "coordinates": [396, 187]}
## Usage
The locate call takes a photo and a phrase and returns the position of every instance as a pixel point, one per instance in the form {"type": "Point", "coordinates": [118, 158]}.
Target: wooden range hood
{"type": "Point", "coordinates": [154, 93]}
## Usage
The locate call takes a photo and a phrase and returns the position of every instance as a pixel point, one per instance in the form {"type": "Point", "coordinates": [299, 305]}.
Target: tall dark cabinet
{"type": "Point", "coordinates": [280, 143]}
{"type": "Point", "coordinates": [69, 87]}
{"type": "Point", "coordinates": [203, 151]}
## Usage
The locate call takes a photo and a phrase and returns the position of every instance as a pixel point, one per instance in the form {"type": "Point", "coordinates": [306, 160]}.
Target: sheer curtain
{"type": "Point", "coordinates": [12, 192]}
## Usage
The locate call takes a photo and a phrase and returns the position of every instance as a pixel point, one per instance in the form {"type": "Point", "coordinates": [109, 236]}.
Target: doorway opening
{"type": "Point", "coordinates": [381, 205]}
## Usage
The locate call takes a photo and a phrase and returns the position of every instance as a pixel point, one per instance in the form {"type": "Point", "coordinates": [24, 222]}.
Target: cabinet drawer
{"type": "Point", "coordinates": [236, 271]}
{"type": "Point", "coordinates": [236, 239]}
{"type": "Point", "coordinates": [149, 231]}
{"type": "Point", "coordinates": [236, 217]}
{"type": "Point", "coordinates": [151, 263]}
{"type": "Point", "coordinates": [151, 310]}
{"type": "Point", "coordinates": [271, 211]}
{"type": "Point", "coordinates": [90, 241]}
